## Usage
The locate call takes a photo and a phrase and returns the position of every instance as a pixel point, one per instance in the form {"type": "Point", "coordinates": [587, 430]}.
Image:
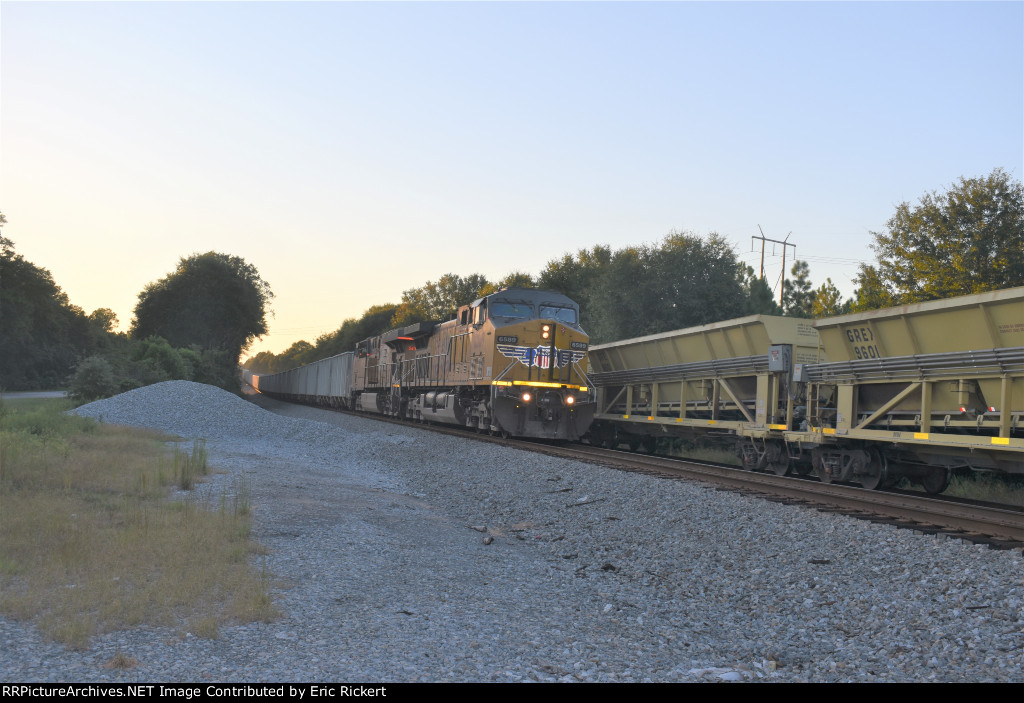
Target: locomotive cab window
{"type": "Point", "coordinates": [558, 313]}
{"type": "Point", "coordinates": [479, 311]}
{"type": "Point", "coordinates": [519, 311]}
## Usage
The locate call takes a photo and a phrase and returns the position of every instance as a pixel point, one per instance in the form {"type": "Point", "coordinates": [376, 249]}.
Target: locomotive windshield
{"type": "Point", "coordinates": [511, 305]}
{"type": "Point", "coordinates": [558, 313]}
{"type": "Point", "coordinates": [520, 311]}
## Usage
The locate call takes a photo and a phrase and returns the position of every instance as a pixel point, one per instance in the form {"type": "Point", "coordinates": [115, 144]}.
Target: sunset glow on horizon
{"type": "Point", "coordinates": [351, 151]}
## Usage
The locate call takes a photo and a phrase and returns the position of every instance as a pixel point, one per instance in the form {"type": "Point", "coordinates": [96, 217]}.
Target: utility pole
{"type": "Point", "coordinates": [784, 243]}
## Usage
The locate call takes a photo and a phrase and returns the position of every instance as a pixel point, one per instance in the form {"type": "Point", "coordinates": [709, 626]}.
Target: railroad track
{"type": "Point", "coordinates": [998, 526]}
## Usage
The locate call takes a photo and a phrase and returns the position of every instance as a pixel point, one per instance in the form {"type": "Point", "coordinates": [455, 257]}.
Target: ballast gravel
{"type": "Point", "coordinates": [401, 555]}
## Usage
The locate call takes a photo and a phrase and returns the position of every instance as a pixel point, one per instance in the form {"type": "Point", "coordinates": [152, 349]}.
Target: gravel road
{"type": "Point", "coordinates": [399, 555]}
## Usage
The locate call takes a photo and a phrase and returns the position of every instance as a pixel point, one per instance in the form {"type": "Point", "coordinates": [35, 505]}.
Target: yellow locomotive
{"type": "Point", "coordinates": [512, 362]}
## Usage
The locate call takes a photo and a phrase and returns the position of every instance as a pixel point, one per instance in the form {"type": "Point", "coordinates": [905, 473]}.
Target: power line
{"type": "Point", "coordinates": [784, 243]}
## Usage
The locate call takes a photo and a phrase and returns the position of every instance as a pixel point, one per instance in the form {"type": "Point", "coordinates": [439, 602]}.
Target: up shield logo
{"type": "Point", "coordinates": [540, 356]}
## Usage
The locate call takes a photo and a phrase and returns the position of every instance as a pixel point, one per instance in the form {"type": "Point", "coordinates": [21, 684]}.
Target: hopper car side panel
{"type": "Point", "coordinates": [928, 388]}
{"type": "Point", "coordinates": [913, 391]}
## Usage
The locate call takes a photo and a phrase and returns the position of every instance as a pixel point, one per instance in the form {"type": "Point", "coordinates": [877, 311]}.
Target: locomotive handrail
{"type": "Point", "coordinates": [591, 391]}
{"type": "Point", "coordinates": [507, 369]}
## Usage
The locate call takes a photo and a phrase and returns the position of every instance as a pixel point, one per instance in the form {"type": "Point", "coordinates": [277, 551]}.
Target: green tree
{"type": "Point", "coordinates": [576, 276]}
{"type": "Point", "coordinates": [105, 319]}
{"type": "Point", "coordinates": [42, 335]}
{"type": "Point", "coordinates": [516, 279]}
{"type": "Point", "coordinates": [684, 281]}
{"type": "Point", "coordinates": [759, 297]}
{"type": "Point", "coordinates": [828, 301]}
{"type": "Point", "coordinates": [162, 361]}
{"type": "Point", "coordinates": [872, 293]}
{"type": "Point", "coordinates": [298, 354]}
{"type": "Point", "coordinates": [967, 239]}
{"type": "Point", "coordinates": [798, 293]}
{"type": "Point", "coordinates": [439, 300]}
{"type": "Point", "coordinates": [620, 298]}
{"type": "Point", "coordinates": [94, 378]}
{"type": "Point", "coordinates": [372, 322]}
{"type": "Point", "coordinates": [694, 281]}
{"type": "Point", "coordinates": [213, 301]}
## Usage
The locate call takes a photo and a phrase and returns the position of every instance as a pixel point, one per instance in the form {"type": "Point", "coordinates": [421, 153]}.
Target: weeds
{"type": "Point", "coordinates": [188, 467]}
{"type": "Point", "coordinates": [89, 542]}
{"type": "Point", "coordinates": [996, 489]}
{"type": "Point", "coordinates": [120, 660]}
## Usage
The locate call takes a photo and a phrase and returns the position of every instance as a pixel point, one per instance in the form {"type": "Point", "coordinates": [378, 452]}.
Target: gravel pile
{"type": "Point", "coordinates": [399, 555]}
{"type": "Point", "coordinates": [193, 409]}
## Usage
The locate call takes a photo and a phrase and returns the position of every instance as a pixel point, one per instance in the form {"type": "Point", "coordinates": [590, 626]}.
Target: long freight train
{"type": "Point", "coordinates": [512, 362]}
{"type": "Point", "coordinates": [916, 391]}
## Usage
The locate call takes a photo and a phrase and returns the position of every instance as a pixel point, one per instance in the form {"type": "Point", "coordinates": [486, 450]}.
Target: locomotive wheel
{"type": "Point", "coordinates": [650, 444]}
{"type": "Point", "coordinates": [936, 481]}
{"type": "Point", "coordinates": [634, 444]}
{"type": "Point", "coordinates": [823, 475]}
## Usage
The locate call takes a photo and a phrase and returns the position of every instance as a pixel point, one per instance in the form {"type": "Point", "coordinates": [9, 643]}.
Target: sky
{"type": "Point", "coordinates": [353, 150]}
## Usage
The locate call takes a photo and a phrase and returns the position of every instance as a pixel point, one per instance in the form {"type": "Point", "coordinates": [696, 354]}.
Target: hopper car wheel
{"type": "Point", "coordinates": [823, 474]}
{"type": "Point", "coordinates": [876, 473]}
{"type": "Point", "coordinates": [936, 481]}
{"type": "Point", "coordinates": [776, 459]}
{"type": "Point", "coordinates": [818, 464]}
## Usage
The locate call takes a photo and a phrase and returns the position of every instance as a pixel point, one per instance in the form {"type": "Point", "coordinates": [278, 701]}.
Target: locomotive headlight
{"type": "Point", "coordinates": [569, 400]}
{"type": "Point", "coordinates": [526, 397]}
{"type": "Point", "coordinates": [545, 331]}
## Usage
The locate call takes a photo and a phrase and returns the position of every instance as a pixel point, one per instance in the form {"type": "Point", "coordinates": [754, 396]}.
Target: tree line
{"type": "Point", "coordinates": [193, 324]}
{"type": "Point", "coordinates": [967, 239]}
{"type": "Point", "coordinates": [196, 322]}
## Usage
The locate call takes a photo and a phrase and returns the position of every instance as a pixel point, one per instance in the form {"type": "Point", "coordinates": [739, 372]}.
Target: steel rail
{"type": "Point", "coordinates": [1004, 523]}
{"type": "Point", "coordinates": [969, 521]}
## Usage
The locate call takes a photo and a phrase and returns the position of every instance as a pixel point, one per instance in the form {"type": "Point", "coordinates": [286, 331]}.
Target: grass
{"type": "Point", "coordinates": [997, 489]}
{"type": "Point", "coordinates": [90, 541]}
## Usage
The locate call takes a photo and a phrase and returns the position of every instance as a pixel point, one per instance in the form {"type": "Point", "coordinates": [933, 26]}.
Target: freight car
{"type": "Point", "coordinates": [916, 391]}
{"type": "Point", "coordinates": [512, 362]}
